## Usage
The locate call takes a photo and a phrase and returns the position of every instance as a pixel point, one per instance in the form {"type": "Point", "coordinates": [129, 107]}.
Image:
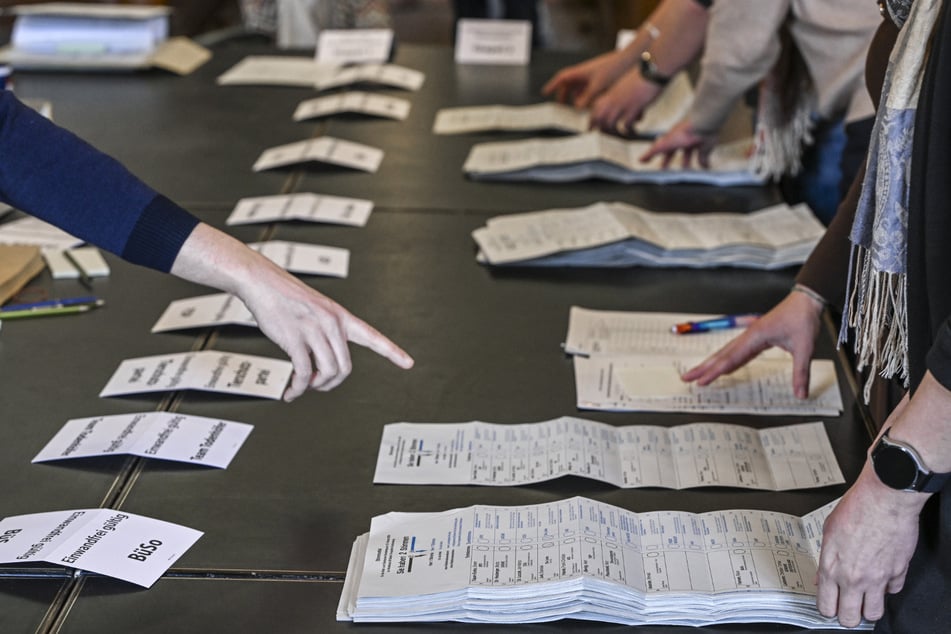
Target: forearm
{"type": "Point", "coordinates": [680, 31]}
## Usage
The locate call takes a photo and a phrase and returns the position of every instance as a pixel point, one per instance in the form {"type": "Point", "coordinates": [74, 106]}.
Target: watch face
{"type": "Point", "coordinates": [895, 467]}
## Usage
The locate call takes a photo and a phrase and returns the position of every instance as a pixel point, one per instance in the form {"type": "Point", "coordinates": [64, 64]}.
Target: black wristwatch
{"type": "Point", "coordinates": [649, 70]}
{"type": "Point", "coordinates": [899, 466]}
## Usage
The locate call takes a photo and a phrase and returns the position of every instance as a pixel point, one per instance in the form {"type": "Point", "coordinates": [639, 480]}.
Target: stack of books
{"type": "Point", "coordinates": [582, 559]}
{"type": "Point", "coordinates": [618, 234]}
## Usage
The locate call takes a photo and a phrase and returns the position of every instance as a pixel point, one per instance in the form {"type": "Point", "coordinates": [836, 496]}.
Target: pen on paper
{"type": "Point", "coordinates": [50, 312]}
{"type": "Point", "coordinates": [84, 278]}
{"type": "Point", "coordinates": [717, 323]}
{"type": "Point", "coordinates": [51, 303]}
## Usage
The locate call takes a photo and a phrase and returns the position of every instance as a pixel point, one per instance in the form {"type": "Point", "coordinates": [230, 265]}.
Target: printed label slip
{"type": "Point", "coordinates": [204, 311]}
{"type": "Point", "coordinates": [307, 207]}
{"type": "Point", "coordinates": [205, 370]}
{"type": "Point", "coordinates": [305, 259]}
{"type": "Point", "coordinates": [354, 46]}
{"type": "Point", "coordinates": [506, 42]}
{"type": "Point", "coordinates": [389, 75]}
{"type": "Point", "coordinates": [353, 101]}
{"type": "Point", "coordinates": [694, 455]}
{"type": "Point", "coordinates": [161, 435]}
{"type": "Point", "coordinates": [324, 150]}
{"type": "Point", "coordinates": [116, 544]}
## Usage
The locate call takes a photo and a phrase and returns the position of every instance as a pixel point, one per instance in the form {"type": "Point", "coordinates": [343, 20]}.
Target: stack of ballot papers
{"type": "Point", "coordinates": [582, 559]}
{"type": "Point", "coordinates": [618, 234]}
{"type": "Point", "coordinates": [631, 361]}
{"type": "Point", "coordinates": [598, 155]}
{"type": "Point", "coordinates": [80, 35]}
{"type": "Point", "coordinates": [660, 116]}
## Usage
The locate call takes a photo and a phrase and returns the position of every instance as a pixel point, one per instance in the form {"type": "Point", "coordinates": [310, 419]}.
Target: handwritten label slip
{"type": "Point", "coordinates": [161, 435]}
{"type": "Point", "coordinates": [669, 108]}
{"type": "Point", "coordinates": [307, 207]}
{"type": "Point", "coordinates": [324, 150]}
{"type": "Point", "coordinates": [578, 558]}
{"type": "Point", "coordinates": [634, 363]}
{"type": "Point", "coordinates": [694, 455]}
{"type": "Point", "coordinates": [618, 234]}
{"type": "Point", "coordinates": [116, 544]}
{"type": "Point", "coordinates": [599, 155]}
{"type": "Point", "coordinates": [347, 46]}
{"type": "Point", "coordinates": [206, 370]}
{"type": "Point", "coordinates": [354, 101]}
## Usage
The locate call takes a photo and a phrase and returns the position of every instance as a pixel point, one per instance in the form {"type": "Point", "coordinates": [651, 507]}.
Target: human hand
{"type": "Point", "coordinates": [791, 325]}
{"type": "Point", "coordinates": [580, 84]}
{"type": "Point", "coordinates": [682, 137]}
{"type": "Point", "coordinates": [616, 111]}
{"type": "Point", "coordinates": [867, 543]}
{"type": "Point", "coordinates": [311, 328]}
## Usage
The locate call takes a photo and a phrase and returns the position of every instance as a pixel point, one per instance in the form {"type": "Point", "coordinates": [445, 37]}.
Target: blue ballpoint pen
{"type": "Point", "coordinates": [51, 303]}
{"type": "Point", "coordinates": [717, 323]}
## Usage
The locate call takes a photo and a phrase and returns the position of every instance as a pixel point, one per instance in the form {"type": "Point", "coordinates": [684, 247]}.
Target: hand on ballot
{"type": "Point", "coordinates": [311, 328]}
{"type": "Point", "coordinates": [791, 325]}
{"type": "Point", "coordinates": [683, 137]}
{"type": "Point", "coordinates": [581, 83]}
{"type": "Point", "coordinates": [620, 107]}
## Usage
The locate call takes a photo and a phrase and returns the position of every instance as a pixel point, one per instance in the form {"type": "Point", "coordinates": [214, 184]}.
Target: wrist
{"type": "Point", "coordinates": [897, 501]}
{"type": "Point", "coordinates": [816, 300]}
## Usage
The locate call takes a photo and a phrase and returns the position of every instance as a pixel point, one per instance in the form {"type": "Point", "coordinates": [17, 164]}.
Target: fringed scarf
{"type": "Point", "coordinates": [876, 298]}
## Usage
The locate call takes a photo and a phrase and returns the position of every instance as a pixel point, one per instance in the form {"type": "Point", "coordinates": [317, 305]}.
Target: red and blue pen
{"type": "Point", "coordinates": [717, 323]}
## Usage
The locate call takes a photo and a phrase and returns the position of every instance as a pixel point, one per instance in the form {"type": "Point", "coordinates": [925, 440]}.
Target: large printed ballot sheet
{"type": "Point", "coordinates": [582, 559]}
{"type": "Point", "coordinates": [113, 543]}
{"type": "Point", "coordinates": [631, 361]}
{"type": "Point", "coordinates": [693, 455]}
{"type": "Point", "coordinates": [206, 370]}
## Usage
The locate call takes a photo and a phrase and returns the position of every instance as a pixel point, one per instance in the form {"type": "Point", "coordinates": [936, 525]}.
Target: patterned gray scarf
{"type": "Point", "coordinates": [877, 292]}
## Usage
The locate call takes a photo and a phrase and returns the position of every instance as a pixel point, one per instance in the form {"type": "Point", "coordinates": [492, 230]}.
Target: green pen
{"type": "Point", "coordinates": [49, 312]}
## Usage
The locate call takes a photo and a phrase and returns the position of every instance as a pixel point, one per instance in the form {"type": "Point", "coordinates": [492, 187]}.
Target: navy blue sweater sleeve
{"type": "Point", "coordinates": [54, 175]}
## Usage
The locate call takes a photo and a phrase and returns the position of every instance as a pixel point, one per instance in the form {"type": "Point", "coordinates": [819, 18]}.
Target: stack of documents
{"type": "Point", "coordinates": [666, 111]}
{"type": "Point", "coordinates": [632, 361]}
{"type": "Point", "coordinates": [598, 155]}
{"type": "Point", "coordinates": [80, 35]}
{"type": "Point", "coordinates": [617, 234]}
{"type": "Point", "coordinates": [586, 560]}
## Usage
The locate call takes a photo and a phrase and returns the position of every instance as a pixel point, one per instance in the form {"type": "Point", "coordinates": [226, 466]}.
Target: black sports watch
{"type": "Point", "coordinates": [649, 70]}
{"type": "Point", "coordinates": [899, 466]}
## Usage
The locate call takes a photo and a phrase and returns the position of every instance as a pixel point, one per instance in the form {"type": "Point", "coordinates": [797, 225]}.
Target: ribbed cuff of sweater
{"type": "Point", "coordinates": [159, 234]}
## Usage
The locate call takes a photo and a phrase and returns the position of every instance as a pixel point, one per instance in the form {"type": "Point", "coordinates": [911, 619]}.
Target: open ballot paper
{"type": "Point", "coordinates": [582, 559]}
{"type": "Point", "coordinates": [598, 155]}
{"type": "Point", "coordinates": [277, 70]}
{"type": "Point", "coordinates": [325, 150]}
{"type": "Point", "coordinates": [652, 383]}
{"type": "Point", "coordinates": [205, 311]}
{"type": "Point", "coordinates": [116, 544]}
{"type": "Point", "coordinates": [618, 234]}
{"type": "Point", "coordinates": [307, 207]}
{"type": "Point", "coordinates": [34, 232]}
{"type": "Point", "coordinates": [694, 455]}
{"type": "Point", "coordinates": [660, 116]}
{"type": "Point", "coordinates": [388, 75]}
{"type": "Point", "coordinates": [353, 101]}
{"type": "Point", "coordinates": [347, 46]}
{"type": "Point", "coordinates": [304, 258]}
{"type": "Point", "coordinates": [206, 370]}
{"type": "Point", "coordinates": [161, 435]}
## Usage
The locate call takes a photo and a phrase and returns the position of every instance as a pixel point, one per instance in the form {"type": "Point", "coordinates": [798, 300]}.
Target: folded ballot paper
{"type": "Point", "coordinates": [631, 361]}
{"type": "Point", "coordinates": [65, 35]}
{"type": "Point", "coordinates": [598, 155]}
{"type": "Point", "coordinates": [582, 559]}
{"type": "Point", "coordinates": [272, 70]}
{"type": "Point", "coordinates": [667, 110]}
{"type": "Point", "coordinates": [618, 234]}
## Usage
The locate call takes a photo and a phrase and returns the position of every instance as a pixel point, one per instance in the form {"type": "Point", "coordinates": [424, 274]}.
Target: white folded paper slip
{"type": "Point", "coordinates": [354, 46]}
{"type": "Point", "coordinates": [89, 258]}
{"type": "Point", "coordinates": [618, 234]}
{"type": "Point", "coordinates": [161, 435]}
{"type": "Point", "coordinates": [205, 370]}
{"type": "Point", "coordinates": [305, 206]}
{"type": "Point", "coordinates": [353, 102]}
{"type": "Point", "coordinates": [686, 456]}
{"type": "Point", "coordinates": [270, 70]}
{"type": "Point", "coordinates": [324, 150]}
{"type": "Point", "coordinates": [669, 108]}
{"type": "Point", "coordinates": [598, 155]}
{"type": "Point", "coordinates": [304, 258]}
{"type": "Point", "coordinates": [116, 544]}
{"type": "Point", "coordinates": [582, 559]}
